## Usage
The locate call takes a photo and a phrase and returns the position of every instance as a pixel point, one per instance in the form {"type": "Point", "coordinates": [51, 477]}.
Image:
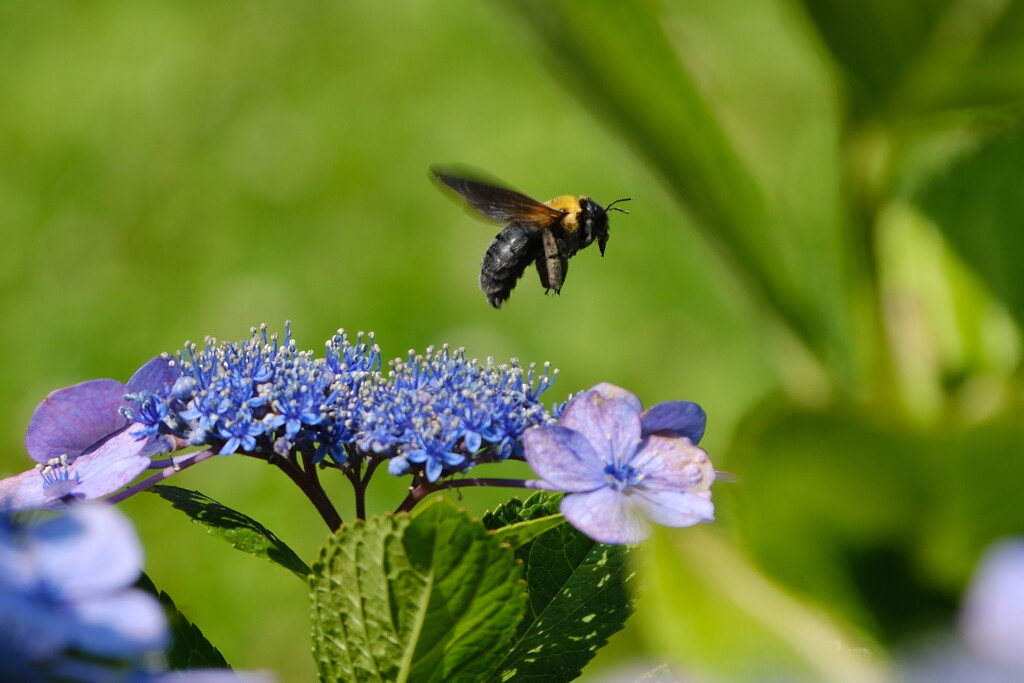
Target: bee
{"type": "Point", "coordinates": [547, 234]}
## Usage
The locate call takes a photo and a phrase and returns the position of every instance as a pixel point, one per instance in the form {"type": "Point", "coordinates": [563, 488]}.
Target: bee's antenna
{"type": "Point", "coordinates": [612, 207]}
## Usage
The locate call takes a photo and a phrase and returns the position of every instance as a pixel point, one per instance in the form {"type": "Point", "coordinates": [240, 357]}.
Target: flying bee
{"type": "Point", "coordinates": [546, 234]}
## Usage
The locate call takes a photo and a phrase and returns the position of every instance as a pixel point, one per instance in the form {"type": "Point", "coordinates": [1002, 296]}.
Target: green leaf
{"type": "Point", "coordinates": [428, 598]}
{"type": "Point", "coordinates": [986, 57]}
{"type": "Point", "coordinates": [577, 597]}
{"type": "Point", "coordinates": [979, 470]}
{"type": "Point", "coordinates": [190, 648]}
{"type": "Point", "coordinates": [243, 532]}
{"type": "Point", "coordinates": [519, 534]}
{"type": "Point", "coordinates": [538, 505]}
{"type": "Point", "coordinates": [880, 525]}
{"type": "Point", "coordinates": [975, 200]}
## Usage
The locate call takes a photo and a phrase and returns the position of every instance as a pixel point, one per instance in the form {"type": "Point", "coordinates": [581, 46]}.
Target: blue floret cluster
{"type": "Point", "coordinates": [433, 414]}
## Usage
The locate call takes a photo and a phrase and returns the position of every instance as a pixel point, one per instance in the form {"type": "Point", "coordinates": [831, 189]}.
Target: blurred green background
{"type": "Point", "coordinates": [823, 250]}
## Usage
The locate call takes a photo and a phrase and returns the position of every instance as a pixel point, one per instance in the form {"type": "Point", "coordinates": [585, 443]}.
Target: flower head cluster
{"type": "Point", "coordinates": [436, 413]}
{"type": "Point", "coordinates": [624, 467]}
{"type": "Point", "coordinates": [446, 413]}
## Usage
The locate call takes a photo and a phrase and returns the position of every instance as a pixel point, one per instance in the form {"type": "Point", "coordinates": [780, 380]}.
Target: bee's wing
{"type": "Point", "coordinates": [500, 203]}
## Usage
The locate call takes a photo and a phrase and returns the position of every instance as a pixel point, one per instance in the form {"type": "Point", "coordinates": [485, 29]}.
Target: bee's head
{"type": "Point", "coordinates": [593, 220]}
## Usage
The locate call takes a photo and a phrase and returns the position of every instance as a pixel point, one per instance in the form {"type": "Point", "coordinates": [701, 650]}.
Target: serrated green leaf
{"type": "Point", "coordinates": [537, 505]}
{"type": "Point", "coordinates": [243, 532]}
{"type": "Point", "coordinates": [577, 598]}
{"type": "Point", "coordinates": [190, 649]}
{"type": "Point", "coordinates": [428, 598]}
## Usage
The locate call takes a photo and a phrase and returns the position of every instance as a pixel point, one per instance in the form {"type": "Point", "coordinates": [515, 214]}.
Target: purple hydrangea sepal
{"type": "Point", "coordinates": [100, 471]}
{"type": "Point", "coordinates": [74, 419]}
{"type": "Point", "coordinates": [678, 418]}
{"type": "Point", "coordinates": [622, 468]}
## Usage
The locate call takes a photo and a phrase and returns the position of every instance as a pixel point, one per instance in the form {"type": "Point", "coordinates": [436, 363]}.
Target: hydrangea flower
{"type": "Point", "coordinates": [993, 608]}
{"type": "Point", "coordinates": [66, 586]}
{"type": "Point", "coordinates": [624, 468]}
{"type": "Point", "coordinates": [94, 474]}
{"type": "Point", "coordinates": [430, 415]}
{"type": "Point", "coordinates": [69, 611]}
{"type": "Point", "coordinates": [81, 439]}
{"type": "Point", "coordinates": [447, 413]}
{"type": "Point", "coordinates": [988, 646]}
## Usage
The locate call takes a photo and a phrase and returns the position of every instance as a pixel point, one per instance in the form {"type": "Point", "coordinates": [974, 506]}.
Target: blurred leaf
{"type": "Point", "coordinates": [577, 596]}
{"type": "Point", "coordinates": [190, 648]}
{"type": "Point", "coordinates": [709, 609]}
{"type": "Point", "coordinates": [981, 470]}
{"type": "Point", "coordinates": [835, 506]}
{"type": "Point", "coordinates": [901, 58]}
{"type": "Point", "coordinates": [431, 598]}
{"type": "Point", "coordinates": [618, 59]}
{"type": "Point", "coordinates": [881, 525]}
{"type": "Point", "coordinates": [875, 42]}
{"type": "Point", "coordinates": [954, 345]}
{"type": "Point", "coordinates": [990, 55]}
{"type": "Point", "coordinates": [243, 532]}
{"type": "Point", "coordinates": [976, 201]}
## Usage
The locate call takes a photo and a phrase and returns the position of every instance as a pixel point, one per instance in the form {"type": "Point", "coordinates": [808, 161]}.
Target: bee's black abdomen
{"type": "Point", "coordinates": [513, 249]}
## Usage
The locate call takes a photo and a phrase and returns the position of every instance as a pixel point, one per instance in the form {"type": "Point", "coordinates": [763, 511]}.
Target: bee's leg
{"type": "Point", "coordinates": [551, 265]}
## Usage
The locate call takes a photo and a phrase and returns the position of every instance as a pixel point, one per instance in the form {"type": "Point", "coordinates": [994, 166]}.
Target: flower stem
{"type": "Point", "coordinates": [177, 464]}
{"type": "Point", "coordinates": [360, 481]}
{"type": "Point", "coordinates": [309, 483]}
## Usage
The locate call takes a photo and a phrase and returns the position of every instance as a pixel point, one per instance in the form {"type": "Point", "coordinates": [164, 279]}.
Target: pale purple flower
{"type": "Point", "coordinates": [83, 443]}
{"type": "Point", "coordinates": [992, 616]}
{"type": "Point", "coordinates": [989, 645]}
{"type": "Point", "coordinates": [623, 468]}
{"type": "Point", "coordinates": [98, 472]}
{"type": "Point", "coordinates": [66, 587]}
{"type": "Point", "coordinates": [69, 611]}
